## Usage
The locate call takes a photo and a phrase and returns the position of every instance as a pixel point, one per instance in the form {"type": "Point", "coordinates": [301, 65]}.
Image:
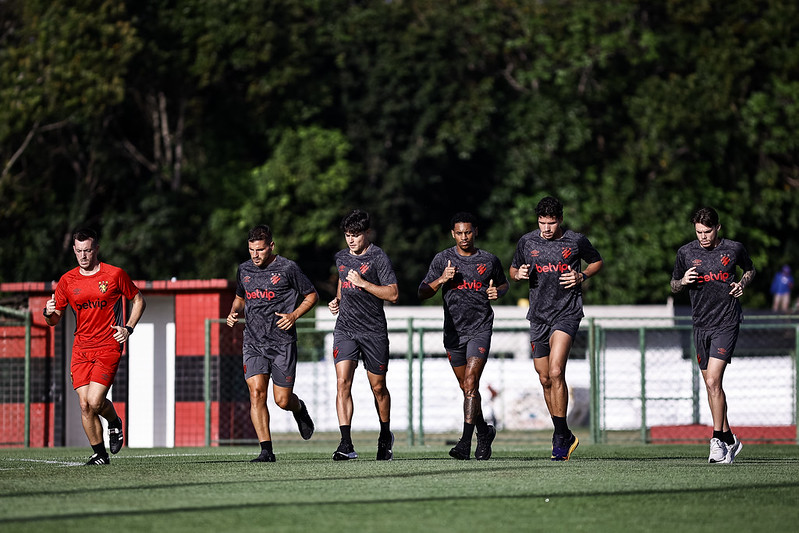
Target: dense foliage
{"type": "Point", "coordinates": [175, 125]}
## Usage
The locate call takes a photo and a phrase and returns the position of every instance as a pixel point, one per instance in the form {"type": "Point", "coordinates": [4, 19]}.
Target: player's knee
{"type": "Point", "coordinates": [92, 406]}
{"type": "Point", "coordinates": [283, 402]}
{"type": "Point", "coordinates": [713, 384]}
{"type": "Point", "coordinates": [556, 374]}
{"type": "Point", "coordinates": [85, 406]}
{"type": "Point", "coordinates": [343, 385]}
{"type": "Point", "coordinates": [379, 390]}
{"type": "Point", "coordinates": [257, 395]}
{"type": "Point", "coordinates": [470, 386]}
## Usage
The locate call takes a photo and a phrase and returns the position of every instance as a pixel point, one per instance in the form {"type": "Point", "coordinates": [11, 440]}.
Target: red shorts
{"type": "Point", "coordinates": [99, 366]}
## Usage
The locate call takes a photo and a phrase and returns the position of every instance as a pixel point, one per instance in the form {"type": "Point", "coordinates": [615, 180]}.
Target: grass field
{"type": "Point", "coordinates": [603, 488]}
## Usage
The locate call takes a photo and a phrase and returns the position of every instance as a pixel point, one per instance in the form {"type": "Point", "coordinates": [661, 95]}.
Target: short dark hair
{"type": "Point", "coordinates": [356, 222]}
{"type": "Point", "coordinates": [465, 217]}
{"type": "Point", "coordinates": [84, 234]}
{"type": "Point", "coordinates": [706, 216]}
{"type": "Point", "coordinates": [549, 207]}
{"type": "Point", "coordinates": [261, 232]}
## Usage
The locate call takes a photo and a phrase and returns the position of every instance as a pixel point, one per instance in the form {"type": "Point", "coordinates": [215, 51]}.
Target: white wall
{"type": "Point", "coordinates": [151, 377]}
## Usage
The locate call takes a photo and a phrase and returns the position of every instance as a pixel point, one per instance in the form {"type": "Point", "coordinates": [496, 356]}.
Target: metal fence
{"type": "Point", "coordinates": [15, 377]}
{"type": "Point", "coordinates": [629, 379]}
{"type": "Point", "coordinates": [635, 382]}
{"type": "Point", "coordinates": [648, 381]}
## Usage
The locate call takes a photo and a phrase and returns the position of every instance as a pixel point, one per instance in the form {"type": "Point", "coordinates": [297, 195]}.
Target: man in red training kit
{"type": "Point", "coordinates": [94, 290]}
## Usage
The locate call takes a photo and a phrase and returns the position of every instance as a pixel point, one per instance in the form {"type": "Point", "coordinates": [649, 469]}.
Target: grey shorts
{"type": "Point", "coordinates": [540, 334]}
{"type": "Point", "coordinates": [278, 361]}
{"type": "Point", "coordinates": [372, 349]}
{"type": "Point", "coordinates": [718, 343]}
{"type": "Point", "coordinates": [478, 346]}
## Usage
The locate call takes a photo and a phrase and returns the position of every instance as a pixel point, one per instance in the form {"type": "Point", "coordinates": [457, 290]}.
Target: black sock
{"type": "Point", "coordinates": [727, 438]}
{"type": "Point", "coordinates": [385, 431]}
{"type": "Point", "coordinates": [468, 430]}
{"type": "Point", "coordinates": [116, 423]}
{"type": "Point", "coordinates": [482, 426]}
{"type": "Point", "coordinates": [561, 427]}
{"type": "Point", "coordinates": [718, 434]}
{"type": "Point", "coordinates": [99, 449]}
{"type": "Point", "coordinates": [266, 446]}
{"type": "Point", "coordinates": [345, 433]}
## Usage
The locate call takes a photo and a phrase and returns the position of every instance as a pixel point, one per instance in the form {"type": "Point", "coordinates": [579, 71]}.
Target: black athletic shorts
{"type": "Point", "coordinates": [540, 334]}
{"type": "Point", "coordinates": [280, 362]}
{"type": "Point", "coordinates": [372, 349]}
{"type": "Point", "coordinates": [478, 346]}
{"type": "Point", "coordinates": [718, 343]}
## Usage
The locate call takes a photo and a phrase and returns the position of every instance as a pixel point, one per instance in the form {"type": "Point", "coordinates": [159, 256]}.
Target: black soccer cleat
{"type": "Point", "coordinates": [97, 459]}
{"type": "Point", "coordinates": [483, 450]}
{"type": "Point", "coordinates": [462, 450]}
{"type": "Point", "coordinates": [115, 439]}
{"type": "Point", "coordinates": [344, 452]}
{"type": "Point", "coordinates": [385, 450]}
{"type": "Point", "coordinates": [264, 457]}
{"type": "Point", "coordinates": [304, 422]}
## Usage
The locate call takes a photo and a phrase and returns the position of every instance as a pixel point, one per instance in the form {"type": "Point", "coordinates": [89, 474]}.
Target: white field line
{"type": "Point", "coordinates": [116, 458]}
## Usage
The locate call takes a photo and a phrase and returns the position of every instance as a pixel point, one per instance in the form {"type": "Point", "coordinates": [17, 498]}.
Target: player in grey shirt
{"type": "Point", "coordinates": [268, 287]}
{"type": "Point", "coordinates": [550, 259]}
{"type": "Point", "coordinates": [707, 267]}
{"type": "Point", "coordinates": [469, 278]}
{"type": "Point", "coordinates": [366, 281]}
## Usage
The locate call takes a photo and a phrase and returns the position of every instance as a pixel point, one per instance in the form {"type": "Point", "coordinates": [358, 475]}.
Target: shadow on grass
{"type": "Point", "coordinates": [459, 499]}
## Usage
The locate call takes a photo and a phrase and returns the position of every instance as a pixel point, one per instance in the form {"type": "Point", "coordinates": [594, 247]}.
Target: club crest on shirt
{"type": "Point", "coordinates": [725, 259]}
{"type": "Point", "coordinates": [103, 286]}
{"type": "Point", "coordinates": [275, 278]}
{"type": "Point", "coordinates": [566, 253]}
{"type": "Point", "coordinates": [364, 268]}
{"type": "Point", "coordinates": [481, 268]}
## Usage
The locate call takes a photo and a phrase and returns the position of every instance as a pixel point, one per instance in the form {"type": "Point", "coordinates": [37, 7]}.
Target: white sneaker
{"type": "Point", "coordinates": [718, 451]}
{"type": "Point", "coordinates": [733, 449]}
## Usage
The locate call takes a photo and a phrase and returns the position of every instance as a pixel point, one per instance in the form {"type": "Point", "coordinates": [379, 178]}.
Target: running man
{"type": "Point", "coordinates": [366, 281]}
{"type": "Point", "coordinates": [707, 267]}
{"type": "Point", "coordinates": [550, 259]}
{"type": "Point", "coordinates": [268, 287]}
{"type": "Point", "coordinates": [95, 290]}
{"type": "Point", "coordinates": [469, 279]}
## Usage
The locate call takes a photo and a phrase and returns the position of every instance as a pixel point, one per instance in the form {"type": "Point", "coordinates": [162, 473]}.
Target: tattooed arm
{"type": "Point", "coordinates": [737, 288]}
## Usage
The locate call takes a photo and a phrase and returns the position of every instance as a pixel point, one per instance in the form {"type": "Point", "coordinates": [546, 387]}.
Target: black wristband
{"type": "Point", "coordinates": [44, 313]}
{"type": "Point", "coordinates": [130, 330]}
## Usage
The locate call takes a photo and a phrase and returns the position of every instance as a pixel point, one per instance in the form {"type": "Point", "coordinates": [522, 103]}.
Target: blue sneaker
{"type": "Point", "coordinates": [562, 448]}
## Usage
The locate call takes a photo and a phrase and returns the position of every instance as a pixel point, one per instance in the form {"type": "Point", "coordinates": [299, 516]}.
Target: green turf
{"type": "Point", "coordinates": [603, 488]}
